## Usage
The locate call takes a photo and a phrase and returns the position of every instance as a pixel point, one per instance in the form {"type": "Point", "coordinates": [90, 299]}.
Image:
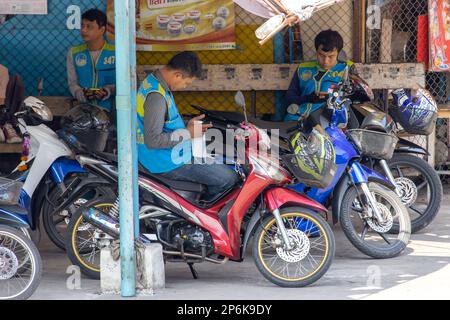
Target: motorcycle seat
{"type": "Point", "coordinates": [175, 185]}
{"type": "Point", "coordinates": [284, 127]}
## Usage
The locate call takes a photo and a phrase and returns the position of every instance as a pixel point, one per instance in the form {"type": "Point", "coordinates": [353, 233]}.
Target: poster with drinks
{"type": "Point", "coordinates": [439, 17]}
{"type": "Point", "coordinates": [175, 25]}
{"type": "Point", "coordinates": [23, 7]}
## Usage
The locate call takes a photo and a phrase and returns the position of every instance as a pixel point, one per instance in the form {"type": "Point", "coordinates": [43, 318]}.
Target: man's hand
{"type": "Point", "coordinates": [321, 97]}
{"type": "Point", "coordinates": [196, 127]}
{"type": "Point", "coordinates": [101, 94]}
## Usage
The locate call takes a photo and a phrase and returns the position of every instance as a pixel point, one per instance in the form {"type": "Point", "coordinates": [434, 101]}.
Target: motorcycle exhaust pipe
{"type": "Point", "coordinates": [102, 221]}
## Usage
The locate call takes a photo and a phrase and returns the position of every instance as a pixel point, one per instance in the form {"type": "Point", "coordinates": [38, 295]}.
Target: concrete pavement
{"type": "Point", "coordinates": [422, 272]}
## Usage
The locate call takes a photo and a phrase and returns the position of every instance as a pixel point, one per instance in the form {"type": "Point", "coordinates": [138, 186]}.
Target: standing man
{"type": "Point", "coordinates": [91, 66]}
{"type": "Point", "coordinates": [310, 86]}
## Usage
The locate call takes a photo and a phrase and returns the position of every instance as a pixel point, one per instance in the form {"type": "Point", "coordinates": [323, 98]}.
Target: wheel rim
{"type": "Point", "coordinates": [17, 266]}
{"type": "Point", "coordinates": [60, 219]}
{"type": "Point", "coordinates": [415, 188]}
{"type": "Point", "coordinates": [369, 230]}
{"type": "Point", "coordinates": [84, 243]}
{"type": "Point", "coordinates": [305, 260]}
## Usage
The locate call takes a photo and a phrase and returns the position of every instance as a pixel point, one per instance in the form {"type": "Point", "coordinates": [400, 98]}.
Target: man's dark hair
{"type": "Point", "coordinates": [95, 15]}
{"type": "Point", "coordinates": [186, 62]}
{"type": "Point", "coordinates": [329, 40]}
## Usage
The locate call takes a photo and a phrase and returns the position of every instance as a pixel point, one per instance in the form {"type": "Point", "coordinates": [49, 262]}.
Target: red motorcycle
{"type": "Point", "coordinates": [293, 246]}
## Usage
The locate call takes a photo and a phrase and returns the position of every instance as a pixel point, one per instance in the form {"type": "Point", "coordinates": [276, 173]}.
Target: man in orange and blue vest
{"type": "Point", "coordinates": [91, 66]}
{"type": "Point", "coordinates": [313, 80]}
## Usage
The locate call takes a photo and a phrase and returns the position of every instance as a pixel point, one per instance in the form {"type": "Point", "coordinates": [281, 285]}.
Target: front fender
{"type": "Point", "coordinates": [277, 198]}
{"type": "Point", "coordinates": [358, 172]}
{"type": "Point", "coordinates": [405, 146]}
{"type": "Point", "coordinates": [62, 167]}
{"type": "Point", "coordinates": [361, 174]}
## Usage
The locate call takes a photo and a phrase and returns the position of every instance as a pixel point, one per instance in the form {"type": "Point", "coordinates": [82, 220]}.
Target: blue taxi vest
{"type": "Point", "coordinates": [96, 74]}
{"type": "Point", "coordinates": [308, 84]}
{"type": "Point", "coordinates": [161, 160]}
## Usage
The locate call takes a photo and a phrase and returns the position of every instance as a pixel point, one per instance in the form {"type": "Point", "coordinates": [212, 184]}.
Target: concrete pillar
{"type": "Point", "coordinates": [150, 273]}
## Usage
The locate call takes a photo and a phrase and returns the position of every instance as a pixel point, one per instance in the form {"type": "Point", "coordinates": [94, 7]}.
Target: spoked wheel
{"type": "Point", "coordinates": [20, 265]}
{"type": "Point", "coordinates": [377, 240]}
{"type": "Point", "coordinates": [309, 259]}
{"type": "Point", "coordinates": [56, 222]}
{"type": "Point", "coordinates": [84, 241]}
{"type": "Point", "coordinates": [419, 188]}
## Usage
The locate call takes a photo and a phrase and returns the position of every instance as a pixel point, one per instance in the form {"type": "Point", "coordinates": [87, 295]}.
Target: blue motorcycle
{"type": "Point", "coordinates": [20, 262]}
{"type": "Point", "coordinates": [363, 201]}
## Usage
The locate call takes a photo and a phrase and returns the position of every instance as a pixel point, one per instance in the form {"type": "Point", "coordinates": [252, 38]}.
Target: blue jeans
{"type": "Point", "coordinates": [217, 177]}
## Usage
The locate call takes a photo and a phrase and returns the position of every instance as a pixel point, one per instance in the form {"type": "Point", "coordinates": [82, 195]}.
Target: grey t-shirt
{"type": "Point", "coordinates": [155, 116]}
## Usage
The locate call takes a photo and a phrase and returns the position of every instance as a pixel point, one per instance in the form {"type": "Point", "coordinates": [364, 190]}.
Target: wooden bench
{"type": "Point", "coordinates": [264, 77]}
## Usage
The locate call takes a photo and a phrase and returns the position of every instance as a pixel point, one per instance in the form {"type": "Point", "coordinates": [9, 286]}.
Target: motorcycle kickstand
{"type": "Point", "coordinates": [193, 271]}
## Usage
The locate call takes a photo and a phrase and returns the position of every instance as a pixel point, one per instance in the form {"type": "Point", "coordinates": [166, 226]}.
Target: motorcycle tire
{"type": "Point", "coordinates": [435, 185]}
{"type": "Point", "coordinates": [305, 241]}
{"type": "Point", "coordinates": [376, 249]}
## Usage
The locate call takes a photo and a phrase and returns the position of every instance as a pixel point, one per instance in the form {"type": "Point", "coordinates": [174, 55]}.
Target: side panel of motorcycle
{"type": "Point", "coordinates": [25, 203]}
{"type": "Point", "coordinates": [206, 220]}
{"type": "Point", "coordinates": [344, 153]}
{"type": "Point", "coordinates": [13, 216]}
{"type": "Point", "coordinates": [253, 187]}
{"type": "Point", "coordinates": [50, 149]}
{"type": "Point", "coordinates": [62, 167]}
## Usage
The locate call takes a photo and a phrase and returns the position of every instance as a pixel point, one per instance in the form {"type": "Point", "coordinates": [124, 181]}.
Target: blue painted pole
{"type": "Point", "coordinates": [133, 115]}
{"type": "Point", "coordinates": [278, 56]}
{"type": "Point", "coordinates": [125, 146]}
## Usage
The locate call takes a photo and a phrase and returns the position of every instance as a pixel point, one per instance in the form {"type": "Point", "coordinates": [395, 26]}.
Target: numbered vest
{"type": "Point", "coordinates": [96, 74]}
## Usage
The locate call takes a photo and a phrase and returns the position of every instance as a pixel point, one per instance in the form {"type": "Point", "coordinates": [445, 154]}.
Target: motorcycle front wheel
{"type": "Point", "coordinates": [20, 265]}
{"type": "Point", "coordinates": [56, 222]}
{"type": "Point", "coordinates": [365, 232]}
{"type": "Point", "coordinates": [309, 259]}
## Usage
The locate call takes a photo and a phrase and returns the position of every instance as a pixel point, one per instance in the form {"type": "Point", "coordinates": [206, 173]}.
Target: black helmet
{"type": "Point", "coordinates": [86, 126]}
{"type": "Point", "coordinates": [85, 117]}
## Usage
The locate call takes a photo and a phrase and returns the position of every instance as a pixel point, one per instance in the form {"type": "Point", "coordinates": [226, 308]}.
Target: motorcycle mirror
{"type": "Point", "coordinates": [240, 101]}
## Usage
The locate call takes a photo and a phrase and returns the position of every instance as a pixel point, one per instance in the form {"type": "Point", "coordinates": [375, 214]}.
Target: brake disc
{"type": "Point", "coordinates": [387, 223]}
{"type": "Point", "coordinates": [301, 248]}
{"type": "Point", "coordinates": [9, 264]}
{"type": "Point", "coordinates": [407, 190]}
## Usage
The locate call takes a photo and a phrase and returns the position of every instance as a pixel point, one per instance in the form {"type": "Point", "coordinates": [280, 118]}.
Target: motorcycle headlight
{"type": "Point", "coordinates": [267, 168]}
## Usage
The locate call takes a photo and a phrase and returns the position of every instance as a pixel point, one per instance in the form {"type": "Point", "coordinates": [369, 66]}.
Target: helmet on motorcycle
{"type": "Point", "coordinates": [89, 125]}
{"type": "Point", "coordinates": [85, 117]}
{"type": "Point", "coordinates": [417, 113]}
{"type": "Point", "coordinates": [313, 158]}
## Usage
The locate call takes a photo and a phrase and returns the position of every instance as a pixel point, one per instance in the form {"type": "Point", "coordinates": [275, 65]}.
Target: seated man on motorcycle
{"type": "Point", "coordinates": [310, 87]}
{"type": "Point", "coordinates": [160, 129]}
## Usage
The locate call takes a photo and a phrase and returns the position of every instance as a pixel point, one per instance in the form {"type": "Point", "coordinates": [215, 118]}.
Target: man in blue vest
{"type": "Point", "coordinates": [313, 80]}
{"type": "Point", "coordinates": [164, 141]}
{"type": "Point", "coordinates": [91, 67]}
